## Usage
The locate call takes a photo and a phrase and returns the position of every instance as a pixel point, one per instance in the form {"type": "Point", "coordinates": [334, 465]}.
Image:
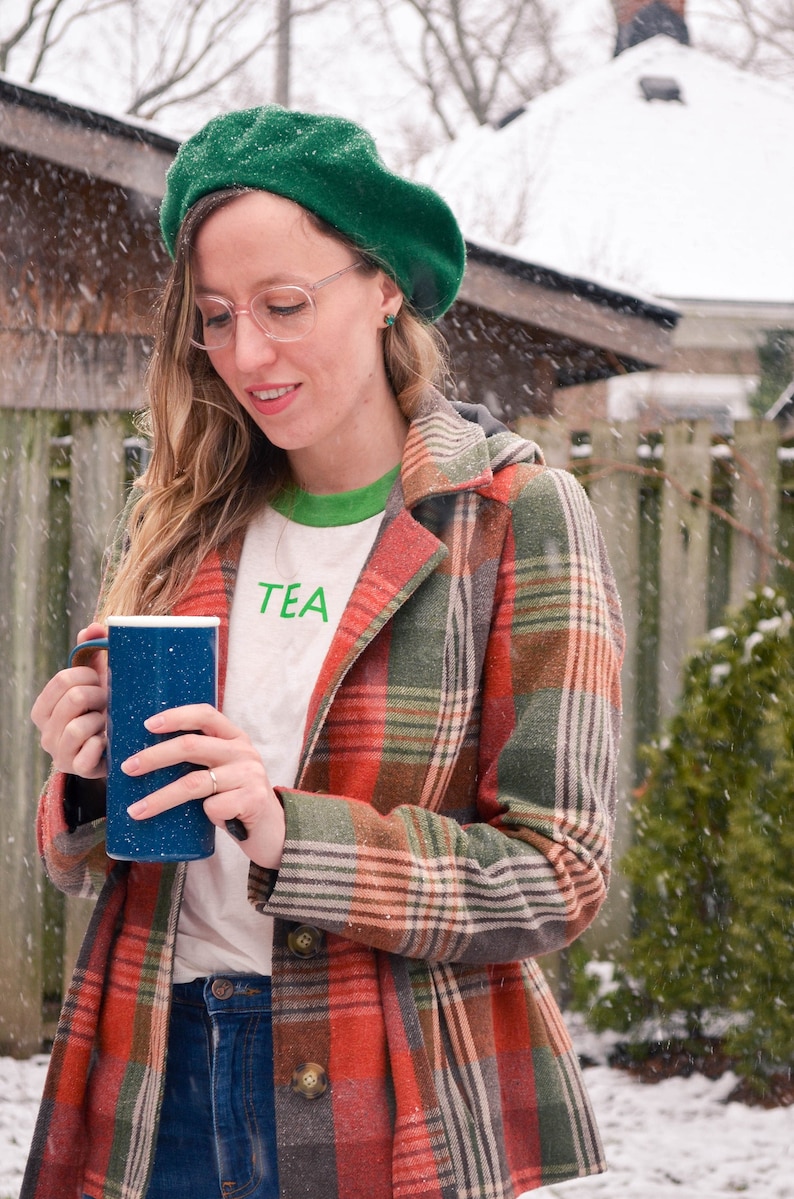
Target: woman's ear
{"type": "Point", "coordinates": [392, 298]}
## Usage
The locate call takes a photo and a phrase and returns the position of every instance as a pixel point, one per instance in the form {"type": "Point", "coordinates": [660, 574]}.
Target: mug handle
{"type": "Point", "coordinates": [97, 643]}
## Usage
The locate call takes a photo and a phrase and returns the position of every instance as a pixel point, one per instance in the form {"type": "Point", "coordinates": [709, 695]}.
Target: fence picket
{"type": "Point", "coordinates": [614, 493]}
{"type": "Point", "coordinates": [24, 503]}
{"type": "Point", "coordinates": [683, 552]}
{"type": "Point", "coordinates": [97, 496]}
{"type": "Point", "coordinates": [756, 500]}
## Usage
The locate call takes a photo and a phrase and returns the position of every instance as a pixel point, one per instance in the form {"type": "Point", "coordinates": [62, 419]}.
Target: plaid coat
{"type": "Point", "coordinates": [450, 823]}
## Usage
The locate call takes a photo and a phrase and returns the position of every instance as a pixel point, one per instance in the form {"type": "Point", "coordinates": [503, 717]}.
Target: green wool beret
{"type": "Point", "coordinates": [330, 166]}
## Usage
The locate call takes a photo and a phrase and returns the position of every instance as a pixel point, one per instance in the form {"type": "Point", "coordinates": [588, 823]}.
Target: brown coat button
{"type": "Point", "coordinates": [222, 988]}
{"type": "Point", "coordinates": [304, 941]}
{"type": "Point", "coordinates": [309, 1080]}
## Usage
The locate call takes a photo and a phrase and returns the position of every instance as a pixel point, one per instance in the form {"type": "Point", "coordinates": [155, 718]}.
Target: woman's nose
{"type": "Point", "coordinates": [252, 346]}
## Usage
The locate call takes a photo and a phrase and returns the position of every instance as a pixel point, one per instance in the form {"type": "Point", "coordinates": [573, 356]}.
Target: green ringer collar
{"type": "Point", "coordinates": [343, 508]}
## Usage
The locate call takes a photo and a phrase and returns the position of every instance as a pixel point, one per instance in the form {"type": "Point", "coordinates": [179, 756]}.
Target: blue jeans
{"type": "Point", "coordinates": [217, 1137]}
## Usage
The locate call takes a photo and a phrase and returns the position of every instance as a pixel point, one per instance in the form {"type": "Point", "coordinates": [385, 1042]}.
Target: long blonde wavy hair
{"type": "Point", "coordinates": [211, 468]}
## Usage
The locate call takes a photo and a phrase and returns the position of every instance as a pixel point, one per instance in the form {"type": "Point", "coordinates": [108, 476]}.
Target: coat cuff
{"type": "Point", "coordinates": [261, 883]}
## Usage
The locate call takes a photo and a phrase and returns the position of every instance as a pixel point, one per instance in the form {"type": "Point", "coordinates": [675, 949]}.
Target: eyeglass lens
{"type": "Point", "coordinates": [284, 313]}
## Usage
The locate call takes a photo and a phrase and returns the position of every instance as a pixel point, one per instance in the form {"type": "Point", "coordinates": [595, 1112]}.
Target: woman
{"type": "Point", "coordinates": [416, 737]}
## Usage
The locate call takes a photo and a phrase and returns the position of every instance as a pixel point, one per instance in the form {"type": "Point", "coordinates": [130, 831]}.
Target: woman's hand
{"type": "Point", "coordinates": [234, 785]}
{"type": "Point", "coordinates": [71, 714]}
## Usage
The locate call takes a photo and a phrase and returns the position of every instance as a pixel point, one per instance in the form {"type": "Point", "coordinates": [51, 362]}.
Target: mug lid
{"type": "Point", "coordinates": [163, 622]}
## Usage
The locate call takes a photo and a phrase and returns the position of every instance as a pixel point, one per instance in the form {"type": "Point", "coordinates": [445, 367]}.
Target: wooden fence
{"type": "Point", "coordinates": [690, 523]}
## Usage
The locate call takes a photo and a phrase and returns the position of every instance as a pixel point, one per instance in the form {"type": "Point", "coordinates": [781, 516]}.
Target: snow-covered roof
{"type": "Point", "coordinates": [684, 199]}
{"type": "Point", "coordinates": [103, 120]}
{"type": "Point", "coordinates": [125, 150]}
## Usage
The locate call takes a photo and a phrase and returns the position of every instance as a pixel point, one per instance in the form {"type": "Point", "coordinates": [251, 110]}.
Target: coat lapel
{"type": "Point", "coordinates": [403, 556]}
{"type": "Point", "coordinates": [443, 454]}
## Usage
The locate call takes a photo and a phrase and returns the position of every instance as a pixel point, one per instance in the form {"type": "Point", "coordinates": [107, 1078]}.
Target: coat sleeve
{"type": "Point", "coordinates": [75, 859]}
{"type": "Point", "coordinates": [531, 871]}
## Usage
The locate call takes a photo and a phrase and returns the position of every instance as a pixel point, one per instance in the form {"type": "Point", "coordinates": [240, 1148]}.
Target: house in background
{"type": "Point", "coordinates": [519, 332]}
{"type": "Point", "coordinates": [669, 171]}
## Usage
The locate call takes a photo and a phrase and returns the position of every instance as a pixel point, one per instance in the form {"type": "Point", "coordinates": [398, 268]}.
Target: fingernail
{"type": "Point", "coordinates": [131, 766]}
{"type": "Point", "coordinates": [154, 722]}
{"type": "Point", "coordinates": [139, 808]}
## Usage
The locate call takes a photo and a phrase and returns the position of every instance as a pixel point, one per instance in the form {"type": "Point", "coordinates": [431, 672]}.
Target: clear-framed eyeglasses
{"type": "Point", "coordinates": [284, 313]}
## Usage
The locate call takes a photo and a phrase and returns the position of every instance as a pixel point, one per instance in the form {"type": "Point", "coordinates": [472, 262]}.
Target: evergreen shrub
{"type": "Point", "coordinates": [712, 864]}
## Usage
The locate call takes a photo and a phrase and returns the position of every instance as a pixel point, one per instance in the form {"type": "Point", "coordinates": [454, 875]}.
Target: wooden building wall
{"type": "Point", "coordinates": [80, 265]}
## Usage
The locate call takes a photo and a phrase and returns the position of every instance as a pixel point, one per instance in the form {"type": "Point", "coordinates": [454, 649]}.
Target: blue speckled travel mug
{"type": "Point", "coordinates": [154, 663]}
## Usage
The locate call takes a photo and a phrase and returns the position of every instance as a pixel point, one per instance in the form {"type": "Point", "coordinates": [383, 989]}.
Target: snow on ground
{"type": "Point", "coordinates": [20, 1087]}
{"type": "Point", "coordinates": [673, 1140]}
{"type": "Point", "coordinates": [680, 1139]}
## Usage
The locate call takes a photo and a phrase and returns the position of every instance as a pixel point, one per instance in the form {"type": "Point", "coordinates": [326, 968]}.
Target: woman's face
{"type": "Point", "coordinates": [325, 399]}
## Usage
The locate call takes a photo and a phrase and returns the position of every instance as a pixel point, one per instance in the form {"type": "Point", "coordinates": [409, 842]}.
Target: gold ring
{"type": "Point", "coordinates": [214, 790]}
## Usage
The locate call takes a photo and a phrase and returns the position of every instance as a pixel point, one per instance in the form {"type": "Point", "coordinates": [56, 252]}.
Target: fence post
{"type": "Point", "coordinates": [683, 552]}
{"type": "Point", "coordinates": [97, 496]}
{"type": "Point", "coordinates": [615, 495]}
{"type": "Point", "coordinates": [756, 504]}
{"type": "Point", "coordinates": [24, 503]}
{"type": "Point", "coordinates": [553, 437]}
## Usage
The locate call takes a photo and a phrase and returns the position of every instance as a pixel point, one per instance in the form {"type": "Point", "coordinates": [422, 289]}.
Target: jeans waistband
{"type": "Point", "coordinates": [225, 993]}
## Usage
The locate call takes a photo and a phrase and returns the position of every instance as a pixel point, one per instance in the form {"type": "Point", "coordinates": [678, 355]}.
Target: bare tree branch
{"type": "Point", "coordinates": [206, 27]}
{"type": "Point", "coordinates": [52, 33]}
{"type": "Point", "coordinates": [427, 79]}
{"type": "Point", "coordinates": [184, 47]}
{"type": "Point", "coordinates": [38, 18]}
{"type": "Point", "coordinates": [174, 54]}
{"type": "Point", "coordinates": [12, 40]}
{"type": "Point", "coordinates": [482, 55]}
{"type": "Point", "coordinates": [756, 35]}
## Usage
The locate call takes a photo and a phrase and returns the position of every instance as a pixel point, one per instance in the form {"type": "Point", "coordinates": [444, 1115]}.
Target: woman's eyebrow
{"type": "Point", "coordinates": [282, 279]}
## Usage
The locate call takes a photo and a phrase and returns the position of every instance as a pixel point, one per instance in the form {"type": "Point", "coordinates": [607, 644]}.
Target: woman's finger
{"type": "Point", "coordinates": [203, 717]}
{"type": "Point", "coordinates": [90, 761]}
{"type": "Point", "coordinates": [194, 748]}
{"type": "Point", "coordinates": [61, 687]}
{"type": "Point", "coordinates": [196, 733]}
{"type": "Point", "coordinates": [243, 773]}
{"type": "Point", "coordinates": [80, 743]}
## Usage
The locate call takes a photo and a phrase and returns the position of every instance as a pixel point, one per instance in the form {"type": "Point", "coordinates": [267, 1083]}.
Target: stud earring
{"type": "Point", "coordinates": [390, 319]}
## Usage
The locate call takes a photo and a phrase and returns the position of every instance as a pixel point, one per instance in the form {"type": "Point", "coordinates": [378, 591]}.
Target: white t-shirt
{"type": "Point", "coordinates": [296, 573]}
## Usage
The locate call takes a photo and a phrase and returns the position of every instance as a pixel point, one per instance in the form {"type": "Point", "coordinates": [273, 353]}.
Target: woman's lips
{"type": "Point", "coordinates": [272, 400]}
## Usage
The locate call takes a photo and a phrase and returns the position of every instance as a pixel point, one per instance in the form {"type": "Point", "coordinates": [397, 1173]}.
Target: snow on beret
{"type": "Point", "coordinates": [330, 166]}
